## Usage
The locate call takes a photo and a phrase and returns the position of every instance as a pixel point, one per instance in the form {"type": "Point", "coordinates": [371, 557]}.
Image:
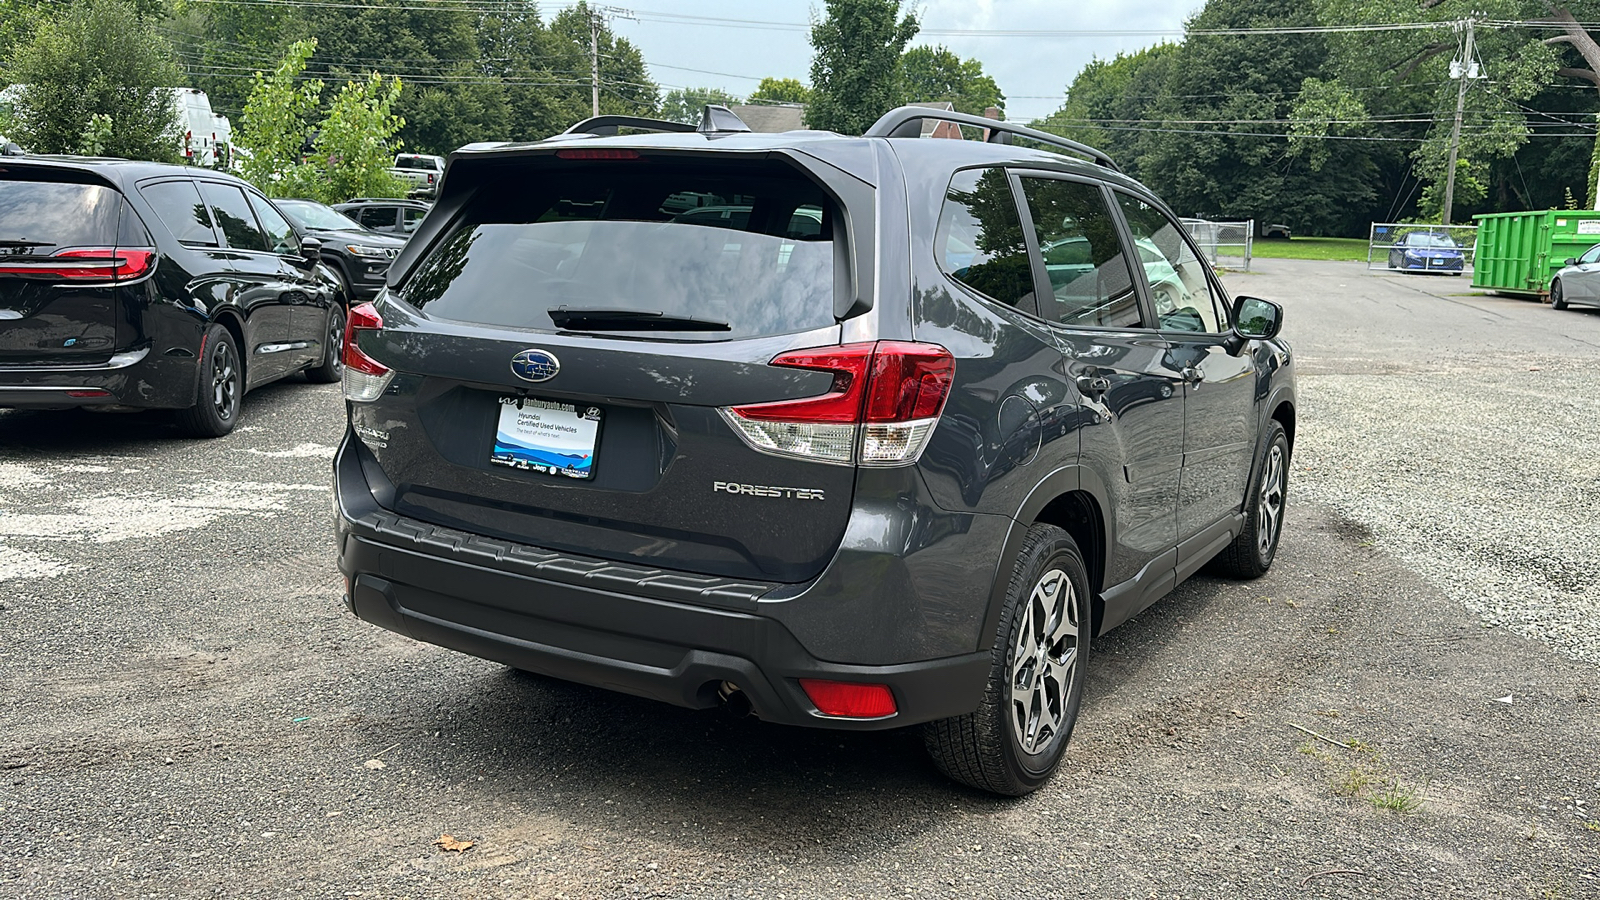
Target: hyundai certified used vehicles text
{"type": "Point", "coordinates": [849, 432]}
{"type": "Point", "coordinates": [132, 285]}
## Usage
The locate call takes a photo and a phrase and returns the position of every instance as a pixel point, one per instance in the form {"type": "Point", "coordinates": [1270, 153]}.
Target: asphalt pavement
{"type": "Point", "coordinates": [1406, 706]}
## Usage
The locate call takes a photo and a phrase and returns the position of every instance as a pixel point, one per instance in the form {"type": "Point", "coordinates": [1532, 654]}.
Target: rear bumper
{"type": "Point", "coordinates": [673, 637]}
{"type": "Point", "coordinates": [130, 378]}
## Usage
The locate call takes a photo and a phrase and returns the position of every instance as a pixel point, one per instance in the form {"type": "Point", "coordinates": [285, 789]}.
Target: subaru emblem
{"type": "Point", "coordinates": [535, 365]}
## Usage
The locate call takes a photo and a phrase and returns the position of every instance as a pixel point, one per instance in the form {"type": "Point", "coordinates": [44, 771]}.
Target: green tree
{"type": "Point", "coordinates": [274, 128]}
{"type": "Point", "coordinates": [935, 73]}
{"type": "Point", "coordinates": [781, 90]}
{"type": "Point", "coordinates": [98, 58]}
{"type": "Point", "coordinates": [354, 147]}
{"type": "Point", "coordinates": [855, 72]}
{"type": "Point", "coordinates": [686, 104]}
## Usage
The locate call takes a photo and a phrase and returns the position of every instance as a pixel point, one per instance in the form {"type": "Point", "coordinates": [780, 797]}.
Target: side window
{"type": "Point", "coordinates": [979, 242]}
{"type": "Point", "coordinates": [179, 207]}
{"type": "Point", "coordinates": [410, 218]}
{"type": "Point", "coordinates": [378, 218]}
{"type": "Point", "coordinates": [280, 234]}
{"type": "Point", "coordinates": [233, 216]}
{"type": "Point", "coordinates": [1178, 284]}
{"type": "Point", "coordinates": [1592, 255]}
{"type": "Point", "coordinates": [1089, 274]}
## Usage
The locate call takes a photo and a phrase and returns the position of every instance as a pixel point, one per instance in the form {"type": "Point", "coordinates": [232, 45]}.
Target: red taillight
{"type": "Point", "coordinates": [363, 318]}
{"type": "Point", "coordinates": [365, 378]}
{"type": "Point", "coordinates": [85, 264]}
{"type": "Point", "coordinates": [848, 699]}
{"type": "Point", "coordinates": [596, 153]}
{"type": "Point", "coordinates": [886, 397]}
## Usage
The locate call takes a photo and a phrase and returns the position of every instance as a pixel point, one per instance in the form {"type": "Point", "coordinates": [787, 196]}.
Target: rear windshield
{"type": "Point", "coordinates": [744, 250]}
{"type": "Point", "coordinates": [45, 217]}
{"type": "Point", "coordinates": [418, 162]}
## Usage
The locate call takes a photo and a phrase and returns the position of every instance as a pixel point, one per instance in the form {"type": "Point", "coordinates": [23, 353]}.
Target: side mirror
{"type": "Point", "coordinates": [1571, 261]}
{"type": "Point", "coordinates": [1254, 319]}
{"type": "Point", "coordinates": [311, 249]}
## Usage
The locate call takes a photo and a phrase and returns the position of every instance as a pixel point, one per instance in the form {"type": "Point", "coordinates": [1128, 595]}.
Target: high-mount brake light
{"type": "Point", "coordinates": [365, 379]}
{"type": "Point", "coordinates": [596, 153]}
{"type": "Point", "coordinates": [848, 699]}
{"type": "Point", "coordinates": [883, 404]}
{"type": "Point", "coordinates": [85, 265]}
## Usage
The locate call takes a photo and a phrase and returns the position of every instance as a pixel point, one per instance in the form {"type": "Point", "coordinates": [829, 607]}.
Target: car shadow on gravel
{"type": "Point", "coordinates": [640, 769]}
{"type": "Point", "coordinates": [63, 432]}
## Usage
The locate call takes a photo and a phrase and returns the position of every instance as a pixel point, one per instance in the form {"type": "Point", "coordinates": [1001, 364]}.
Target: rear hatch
{"type": "Point", "coordinates": [561, 367]}
{"type": "Point", "coordinates": [68, 243]}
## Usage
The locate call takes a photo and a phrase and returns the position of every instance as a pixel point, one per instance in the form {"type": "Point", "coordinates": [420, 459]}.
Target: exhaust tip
{"type": "Point", "coordinates": [735, 700]}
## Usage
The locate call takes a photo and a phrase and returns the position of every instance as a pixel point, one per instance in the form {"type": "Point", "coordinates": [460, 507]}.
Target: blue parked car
{"type": "Point", "coordinates": [1427, 251]}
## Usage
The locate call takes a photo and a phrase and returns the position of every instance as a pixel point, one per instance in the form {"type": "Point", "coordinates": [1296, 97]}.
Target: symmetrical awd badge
{"type": "Point", "coordinates": [535, 365]}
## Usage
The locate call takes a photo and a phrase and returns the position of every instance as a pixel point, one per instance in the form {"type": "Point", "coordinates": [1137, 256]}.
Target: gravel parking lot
{"type": "Point", "coordinates": [1405, 707]}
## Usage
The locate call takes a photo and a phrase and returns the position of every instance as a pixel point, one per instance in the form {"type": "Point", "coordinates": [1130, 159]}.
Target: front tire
{"type": "Point", "coordinates": [1558, 297]}
{"type": "Point", "coordinates": [221, 389]}
{"type": "Point", "coordinates": [1013, 742]}
{"type": "Point", "coordinates": [1252, 551]}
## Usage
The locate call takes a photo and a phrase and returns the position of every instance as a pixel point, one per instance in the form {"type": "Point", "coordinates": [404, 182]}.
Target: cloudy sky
{"type": "Point", "coordinates": [685, 46]}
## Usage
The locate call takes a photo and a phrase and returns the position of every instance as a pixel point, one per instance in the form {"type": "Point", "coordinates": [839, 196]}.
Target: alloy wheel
{"type": "Point", "coordinates": [1269, 509]}
{"type": "Point", "coordinates": [1044, 663]}
{"type": "Point", "coordinates": [224, 381]}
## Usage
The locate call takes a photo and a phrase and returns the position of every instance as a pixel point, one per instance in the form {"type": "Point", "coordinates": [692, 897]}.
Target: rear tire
{"type": "Point", "coordinates": [1558, 299]}
{"type": "Point", "coordinates": [1251, 553]}
{"type": "Point", "coordinates": [331, 368]}
{"type": "Point", "coordinates": [220, 392]}
{"type": "Point", "coordinates": [1013, 742]}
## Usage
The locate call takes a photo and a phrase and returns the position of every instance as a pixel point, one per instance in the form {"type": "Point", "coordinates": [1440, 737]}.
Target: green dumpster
{"type": "Point", "coordinates": [1519, 251]}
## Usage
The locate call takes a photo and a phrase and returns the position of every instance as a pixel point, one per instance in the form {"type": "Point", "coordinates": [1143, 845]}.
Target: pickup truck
{"type": "Point", "coordinates": [420, 172]}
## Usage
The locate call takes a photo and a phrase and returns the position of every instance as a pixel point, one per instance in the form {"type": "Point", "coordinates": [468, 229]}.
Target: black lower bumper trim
{"type": "Point", "coordinates": [673, 652]}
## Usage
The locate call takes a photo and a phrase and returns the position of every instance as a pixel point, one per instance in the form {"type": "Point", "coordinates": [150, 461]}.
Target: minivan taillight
{"type": "Point", "coordinates": [885, 400]}
{"type": "Point", "coordinates": [84, 265]}
{"type": "Point", "coordinates": [364, 377]}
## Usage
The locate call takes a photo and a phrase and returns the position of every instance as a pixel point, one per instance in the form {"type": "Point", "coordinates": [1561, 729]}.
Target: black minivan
{"type": "Point", "coordinates": [135, 285]}
{"type": "Point", "coordinates": [848, 432]}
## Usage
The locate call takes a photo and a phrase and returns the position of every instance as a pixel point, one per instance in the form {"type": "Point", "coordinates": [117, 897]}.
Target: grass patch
{"type": "Point", "coordinates": [1396, 797]}
{"type": "Point", "coordinates": [1311, 248]}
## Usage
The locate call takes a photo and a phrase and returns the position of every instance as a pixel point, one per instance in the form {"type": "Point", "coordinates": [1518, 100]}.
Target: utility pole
{"type": "Point", "coordinates": [594, 58]}
{"type": "Point", "coordinates": [596, 15]}
{"type": "Point", "coordinates": [1464, 70]}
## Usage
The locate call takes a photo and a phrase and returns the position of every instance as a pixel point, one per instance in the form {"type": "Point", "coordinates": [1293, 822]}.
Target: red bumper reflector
{"type": "Point", "coordinates": [88, 393]}
{"type": "Point", "coordinates": [849, 699]}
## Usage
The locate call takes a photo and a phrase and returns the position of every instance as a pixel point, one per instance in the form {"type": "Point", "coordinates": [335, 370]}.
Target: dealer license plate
{"type": "Point", "coordinates": [546, 437]}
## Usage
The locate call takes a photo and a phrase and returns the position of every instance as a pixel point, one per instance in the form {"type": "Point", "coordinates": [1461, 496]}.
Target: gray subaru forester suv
{"type": "Point", "coordinates": [848, 432]}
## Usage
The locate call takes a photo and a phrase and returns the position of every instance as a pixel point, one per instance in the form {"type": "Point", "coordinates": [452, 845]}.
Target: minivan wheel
{"type": "Point", "coordinates": [220, 391]}
{"type": "Point", "coordinates": [1013, 742]}
{"type": "Point", "coordinates": [1558, 299]}
{"type": "Point", "coordinates": [331, 368]}
{"type": "Point", "coordinates": [1252, 551]}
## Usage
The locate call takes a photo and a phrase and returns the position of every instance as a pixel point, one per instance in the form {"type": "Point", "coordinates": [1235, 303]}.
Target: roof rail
{"type": "Point", "coordinates": [714, 119]}
{"type": "Point", "coordinates": [907, 122]}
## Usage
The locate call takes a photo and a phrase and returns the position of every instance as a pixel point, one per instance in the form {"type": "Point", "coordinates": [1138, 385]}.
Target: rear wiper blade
{"type": "Point", "coordinates": [603, 319]}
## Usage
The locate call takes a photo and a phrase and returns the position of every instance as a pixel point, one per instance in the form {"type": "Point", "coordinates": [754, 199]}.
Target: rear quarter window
{"type": "Point", "coordinates": [179, 207]}
{"type": "Point", "coordinates": [748, 246]}
{"type": "Point", "coordinates": [44, 217]}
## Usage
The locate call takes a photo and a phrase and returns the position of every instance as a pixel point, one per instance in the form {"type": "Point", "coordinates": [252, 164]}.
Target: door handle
{"type": "Point", "coordinates": [1092, 384]}
{"type": "Point", "coordinates": [1192, 374]}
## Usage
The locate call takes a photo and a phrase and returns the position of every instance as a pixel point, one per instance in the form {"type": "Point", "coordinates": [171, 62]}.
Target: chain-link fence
{"type": "Point", "coordinates": [1223, 244]}
{"type": "Point", "coordinates": [1422, 248]}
